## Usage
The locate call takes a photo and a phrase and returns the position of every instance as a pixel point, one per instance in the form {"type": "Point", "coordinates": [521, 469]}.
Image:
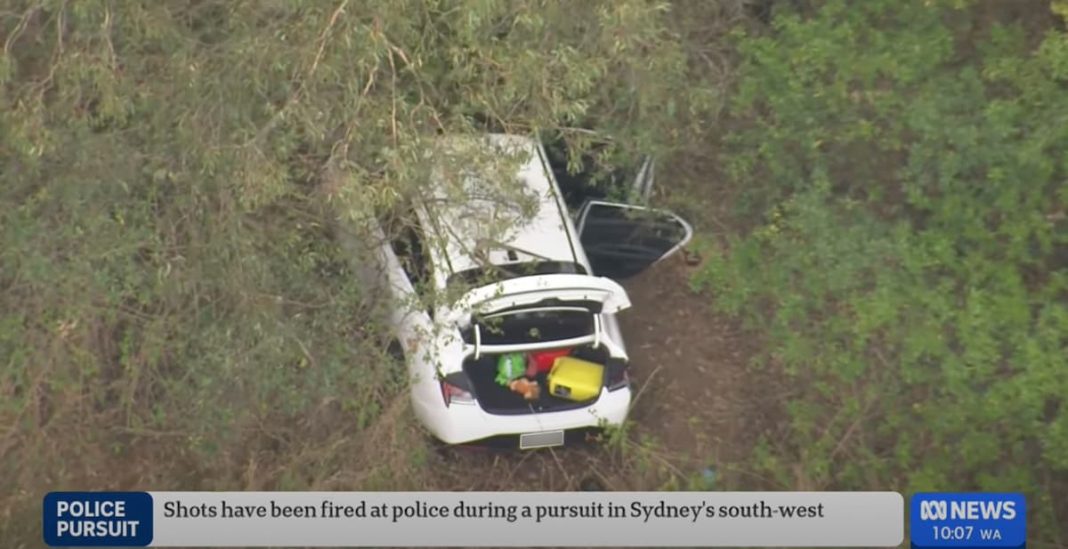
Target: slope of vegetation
{"type": "Point", "coordinates": [172, 307]}
{"type": "Point", "coordinates": [175, 313]}
{"type": "Point", "coordinates": [911, 272]}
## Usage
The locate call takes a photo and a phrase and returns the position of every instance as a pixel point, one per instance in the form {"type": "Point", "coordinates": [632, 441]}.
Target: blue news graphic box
{"type": "Point", "coordinates": [97, 519]}
{"type": "Point", "coordinates": [961, 520]}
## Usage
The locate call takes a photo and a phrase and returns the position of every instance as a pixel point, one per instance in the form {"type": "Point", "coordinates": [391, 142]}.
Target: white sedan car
{"type": "Point", "coordinates": [478, 275]}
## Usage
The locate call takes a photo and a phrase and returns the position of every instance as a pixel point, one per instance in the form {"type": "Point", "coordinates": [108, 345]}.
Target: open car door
{"type": "Point", "coordinates": [621, 240]}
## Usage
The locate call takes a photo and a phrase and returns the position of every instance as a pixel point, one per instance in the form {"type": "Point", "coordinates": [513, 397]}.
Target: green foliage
{"type": "Point", "coordinates": [911, 272]}
{"type": "Point", "coordinates": [168, 279]}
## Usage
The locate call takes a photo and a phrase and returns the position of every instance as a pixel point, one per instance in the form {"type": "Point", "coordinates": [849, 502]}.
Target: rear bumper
{"type": "Point", "coordinates": [463, 423]}
{"type": "Point", "coordinates": [581, 435]}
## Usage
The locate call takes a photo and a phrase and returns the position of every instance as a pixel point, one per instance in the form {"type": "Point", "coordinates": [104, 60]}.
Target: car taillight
{"type": "Point", "coordinates": [616, 375]}
{"type": "Point", "coordinates": [455, 389]}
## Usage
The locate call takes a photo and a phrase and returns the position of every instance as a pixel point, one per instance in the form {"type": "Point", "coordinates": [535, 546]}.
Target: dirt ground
{"type": "Point", "coordinates": [697, 404]}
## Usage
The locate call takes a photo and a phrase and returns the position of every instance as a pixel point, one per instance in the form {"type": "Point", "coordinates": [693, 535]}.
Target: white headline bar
{"type": "Point", "coordinates": [527, 519]}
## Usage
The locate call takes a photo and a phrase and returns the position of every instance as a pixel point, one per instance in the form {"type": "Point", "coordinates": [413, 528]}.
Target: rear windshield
{"type": "Point", "coordinates": [532, 325]}
{"type": "Point", "coordinates": [490, 274]}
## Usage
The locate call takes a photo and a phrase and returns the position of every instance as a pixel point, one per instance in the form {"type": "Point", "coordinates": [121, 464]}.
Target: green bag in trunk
{"type": "Point", "coordinates": [510, 366]}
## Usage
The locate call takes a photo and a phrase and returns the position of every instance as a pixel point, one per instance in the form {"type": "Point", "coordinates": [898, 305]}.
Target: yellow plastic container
{"type": "Point", "coordinates": [576, 379]}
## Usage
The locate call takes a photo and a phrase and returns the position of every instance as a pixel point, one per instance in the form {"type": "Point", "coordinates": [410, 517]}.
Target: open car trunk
{"type": "Point", "coordinates": [497, 399]}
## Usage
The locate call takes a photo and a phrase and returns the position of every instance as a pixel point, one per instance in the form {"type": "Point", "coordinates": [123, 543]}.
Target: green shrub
{"type": "Point", "coordinates": [911, 272]}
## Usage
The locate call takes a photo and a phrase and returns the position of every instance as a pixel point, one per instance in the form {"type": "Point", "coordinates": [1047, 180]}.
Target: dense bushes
{"type": "Point", "coordinates": [911, 274]}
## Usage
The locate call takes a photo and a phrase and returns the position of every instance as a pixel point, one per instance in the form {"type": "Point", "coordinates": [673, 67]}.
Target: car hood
{"type": "Point", "coordinates": [597, 293]}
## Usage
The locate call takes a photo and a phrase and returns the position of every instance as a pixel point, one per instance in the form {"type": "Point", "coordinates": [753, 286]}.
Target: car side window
{"type": "Point", "coordinates": [411, 250]}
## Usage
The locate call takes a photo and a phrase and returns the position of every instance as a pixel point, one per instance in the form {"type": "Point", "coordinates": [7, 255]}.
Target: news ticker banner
{"type": "Point", "coordinates": [476, 519]}
{"type": "Point", "coordinates": [753, 519]}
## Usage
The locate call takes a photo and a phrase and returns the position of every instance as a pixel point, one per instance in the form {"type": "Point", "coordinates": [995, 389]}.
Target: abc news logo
{"type": "Point", "coordinates": [967, 510]}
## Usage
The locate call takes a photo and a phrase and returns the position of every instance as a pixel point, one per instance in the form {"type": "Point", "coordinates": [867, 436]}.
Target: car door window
{"type": "Point", "coordinates": [410, 249]}
{"type": "Point", "coordinates": [622, 240]}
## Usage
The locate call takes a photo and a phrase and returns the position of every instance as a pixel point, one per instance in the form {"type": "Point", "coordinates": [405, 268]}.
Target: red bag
{"type": "Point", "coordinates": [540, 362]}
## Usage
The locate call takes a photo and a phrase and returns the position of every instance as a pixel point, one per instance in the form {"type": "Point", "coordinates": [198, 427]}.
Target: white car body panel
{"type": "Point", "coordinates": [546, 231]}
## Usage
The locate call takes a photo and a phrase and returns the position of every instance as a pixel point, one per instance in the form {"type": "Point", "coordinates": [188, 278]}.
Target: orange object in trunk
{"type": "Point", "coordinates": [526, 387]}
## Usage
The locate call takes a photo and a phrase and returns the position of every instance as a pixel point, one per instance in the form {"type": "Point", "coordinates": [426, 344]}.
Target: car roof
{"type": "Point", "coordinates": [480, 215]}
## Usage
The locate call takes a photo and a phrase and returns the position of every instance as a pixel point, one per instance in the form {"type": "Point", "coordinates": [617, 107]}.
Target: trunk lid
{"type": "Point", "coordinates": [600, 295]}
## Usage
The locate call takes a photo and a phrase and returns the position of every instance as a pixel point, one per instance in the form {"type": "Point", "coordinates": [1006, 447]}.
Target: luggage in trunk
{"type": "Point", "coordinates": [510, 367]}
{"type": "Point", "coordinates": [541, 362]}
{"type": "Point", "coordinates": [576, 379]}
{"type": "Point", "coordinates": [500, 399]}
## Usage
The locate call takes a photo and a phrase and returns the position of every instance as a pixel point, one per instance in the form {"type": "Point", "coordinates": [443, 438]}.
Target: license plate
{"type": "Point", "coordinates": [547, 439]}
